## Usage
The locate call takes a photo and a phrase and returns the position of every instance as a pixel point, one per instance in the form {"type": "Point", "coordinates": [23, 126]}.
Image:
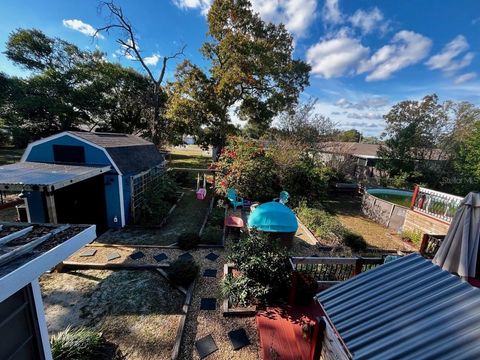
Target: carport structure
{"type": "Point", "coordinates": [38, 183]}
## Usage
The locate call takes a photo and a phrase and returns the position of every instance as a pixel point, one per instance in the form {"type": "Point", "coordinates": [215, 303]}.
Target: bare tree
{"type": "Point", "coordinates": [116, 20]}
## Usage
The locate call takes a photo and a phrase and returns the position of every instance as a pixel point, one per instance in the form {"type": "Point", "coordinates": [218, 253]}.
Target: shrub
{"type": "Point", "coordinates": [263, 266]}
{"type": "Point", "coordinates": [81, 344]}
{"type": "Point", "coordinates": [414, 236]}
{"type": "Point", "coordinates": [212, 235]}
{"type": "Point", "coordinates": [188, 240]}
{"type": "Point", "coordinates": [245, 166]}
{"type": "Point", "coordinates": [183, 272]}
{"type": "Point", "coordinates": [355, 241]}
{"type": "Point", "coordinates": [183, 178]}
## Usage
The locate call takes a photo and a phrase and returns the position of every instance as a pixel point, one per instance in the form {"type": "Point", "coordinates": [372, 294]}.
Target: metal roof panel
{"type": "Point", "coordinates": [406, 309]}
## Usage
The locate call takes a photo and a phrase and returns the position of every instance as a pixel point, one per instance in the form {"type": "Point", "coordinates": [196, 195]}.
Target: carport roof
{"type": "Point", "coordinates": [37, 176]}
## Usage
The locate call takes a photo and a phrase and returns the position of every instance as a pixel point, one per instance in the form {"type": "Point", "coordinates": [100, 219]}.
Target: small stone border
{"type": "Point", "coordinates": [183, 319]}
{"type": "Point", "coordinates": [227, 310]}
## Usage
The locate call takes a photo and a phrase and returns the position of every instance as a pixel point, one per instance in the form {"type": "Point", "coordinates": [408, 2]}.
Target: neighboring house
{"type": "Point", "coordinates": [26, 253]}
{"type": "Point", "coordinates": [82, 177]}
{"type": "Point", "coordinates": [360, 160]}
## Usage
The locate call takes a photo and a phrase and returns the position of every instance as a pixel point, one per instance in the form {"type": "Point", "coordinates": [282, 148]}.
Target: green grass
{"type": "Point", "coordinates": [10, 155]}
{"type": "Point", "coordinates": [188, 157]}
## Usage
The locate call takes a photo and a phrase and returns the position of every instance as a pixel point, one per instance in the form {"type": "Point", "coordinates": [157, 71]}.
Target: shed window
{"type": "Point", "coordinates": [69, 154]}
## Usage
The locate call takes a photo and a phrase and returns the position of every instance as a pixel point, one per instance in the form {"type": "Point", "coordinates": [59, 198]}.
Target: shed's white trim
{"type": "Point", "coordinates": [42, 323]}
{"type": "Point", "coordinates": [25, 274]}
{"type": "Point", "coordinates": [122, 204]}
{"type": "Point", "coordinates": [66, 133]}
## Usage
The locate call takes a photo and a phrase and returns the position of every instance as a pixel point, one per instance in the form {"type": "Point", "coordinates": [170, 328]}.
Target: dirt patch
{"type": "Point", "coordinates": [136, 310]}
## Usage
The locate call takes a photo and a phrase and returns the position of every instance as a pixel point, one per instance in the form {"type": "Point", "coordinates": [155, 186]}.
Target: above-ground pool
{"type": "Point", "coordinates": [396, 196]}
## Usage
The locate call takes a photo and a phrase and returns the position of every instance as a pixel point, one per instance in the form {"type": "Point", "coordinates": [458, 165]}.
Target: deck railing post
{"type": "Point", "coordinates": [414, 197]}
{"type": "Point", "coordinates": [358, 265]}
{"type": "Point", "coordinates": [317, 339]}
{"type": "Point", "coordinates": [292, 296]}
{"type": "Point", "coordinates": [424, 244]}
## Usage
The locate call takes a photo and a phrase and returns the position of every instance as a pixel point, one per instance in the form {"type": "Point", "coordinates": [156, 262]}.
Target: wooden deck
{"type": "Point", "coordinates": [281, 332]}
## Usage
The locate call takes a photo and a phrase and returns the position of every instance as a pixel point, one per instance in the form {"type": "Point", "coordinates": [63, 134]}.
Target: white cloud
{"type": "Point", "coordinates": [331, 13]}
{"type": "Point", "coordinates": [465, 77]}
{"type": "Point", "coordinates": [449, 59]}
{"type": "Point", "coordinates": [297, 15]}
{"type": "Point", "coordinates": [371, 102]}
{"type": "Point", "coordinates": [367, 21]}
{"type": "Point", "coordinates": [152, 60]}
{"type": "Point", "coordinates": [336, 57]}
{"type": "Point", "coordinates": [80, 26]}
{"type": "Point", "coordinates": [406, 48]}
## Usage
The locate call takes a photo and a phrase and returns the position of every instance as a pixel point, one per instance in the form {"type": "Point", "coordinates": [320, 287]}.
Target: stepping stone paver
{"type": "Point", "coordinates": [137, 255]}
{"type": "Point", "coordinates": [186, 256]}
{"type": "Point", "coordinates": [238, 338]}
{"type": "Point", "coordinates": [208, 304]}
{"type": "Point", "coordinates": [212, 257]}
{"type": "Point", "coordinates": [160, 257]}
{"type": "Point", "coordinates": [113, 256]}
{"type": "Point", "coordinates": [89, 252]}
{"type": "Point", "coordinates": [206, 346]}
{"type": "Point", "coordinates": [210, 273]}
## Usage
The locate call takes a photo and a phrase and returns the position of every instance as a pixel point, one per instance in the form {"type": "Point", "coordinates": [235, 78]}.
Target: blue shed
{"type": "Point", "coordinates": [82, 177]}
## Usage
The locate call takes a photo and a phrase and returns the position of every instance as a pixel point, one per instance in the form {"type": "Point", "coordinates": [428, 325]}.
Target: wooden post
{"type": "Point", "coordinates": [318, 335]}
{"type": "Point", "coordinates": [52, 211]}
{"type": "Point", "coordinates": [292, 296]}
{"type": "Point", "coordinates": [358, 266]}
{"type": "Point", "coordinates": [414, 197]}
{"type": "Point", "coordinates": [424, 244]}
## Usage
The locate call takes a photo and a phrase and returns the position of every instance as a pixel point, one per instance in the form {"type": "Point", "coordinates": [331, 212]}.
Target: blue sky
{"type": "Point", "coordinates": [366, 55]}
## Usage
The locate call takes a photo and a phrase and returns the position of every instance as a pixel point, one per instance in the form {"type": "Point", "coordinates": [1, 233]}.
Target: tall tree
{"type": "Point", "coordinates": [352, 135]}
{"type": "Point", "coordinates": [128, 41]}
{"type": "Point", "coordinates": [252, 73]}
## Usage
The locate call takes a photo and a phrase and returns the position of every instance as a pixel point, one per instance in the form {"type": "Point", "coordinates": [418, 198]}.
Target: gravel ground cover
{"type": "Point", "coordinates": [137, 310]}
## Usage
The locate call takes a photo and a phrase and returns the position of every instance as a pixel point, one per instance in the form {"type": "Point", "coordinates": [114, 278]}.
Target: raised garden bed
{"type": "Point", "coordinates": [228, 308]}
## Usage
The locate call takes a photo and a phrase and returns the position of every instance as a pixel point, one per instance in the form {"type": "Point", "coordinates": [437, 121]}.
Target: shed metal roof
{"type": "Point", "coordinates": [108, 140]}
{"type": "Point", "coordinates": [406, 309]}
{"type": "Point", "coordinates": [38, 176]}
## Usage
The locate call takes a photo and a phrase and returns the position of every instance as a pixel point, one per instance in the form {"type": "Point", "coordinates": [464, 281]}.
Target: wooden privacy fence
{"type": "Point", "coordinates": [434, 203]}
{"type": "Point", "coordinates": [328, 271]}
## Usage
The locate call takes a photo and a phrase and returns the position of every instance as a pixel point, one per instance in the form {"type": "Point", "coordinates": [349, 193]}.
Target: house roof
{"type": "Point", "coordinates": [111, 140]}
{"type": "Point", "coordinates": [28, 250]}
{"type": "Point", "coordinates": [406, 309]}
{"type": "Point", "coordinates": [40, 176]}
{"type": "Point", "coordinates": [370, 151]}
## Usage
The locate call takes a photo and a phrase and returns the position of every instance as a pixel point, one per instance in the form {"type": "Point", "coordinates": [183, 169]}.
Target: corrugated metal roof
{"type": "Point", "coordinates": [406, 309]}
{"type": "Point", "coordinates": [35, 176]}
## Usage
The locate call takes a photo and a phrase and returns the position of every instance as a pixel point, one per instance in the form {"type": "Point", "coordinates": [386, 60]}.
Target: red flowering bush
{"type": "Point", "coordinates": [246, 167]}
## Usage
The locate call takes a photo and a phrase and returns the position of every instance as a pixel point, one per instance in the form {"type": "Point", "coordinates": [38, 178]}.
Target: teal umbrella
{"type": "Point", "coordinates": [273, 217]}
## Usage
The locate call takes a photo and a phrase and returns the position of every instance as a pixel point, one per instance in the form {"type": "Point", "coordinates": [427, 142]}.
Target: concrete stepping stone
{"type": "Point", "coordinates": [113, 256]}
{"type": "Point", "coordinates": [211, 257]}
{"type": "Point", "coordinates": [137, 255]}
{"type": "Point", "coordinates": [160, 257]}
{"type": "Point", "coordinates": [208, 304]}
{"type": "Point", "coordinates": [186, 256]}
{"type": "Point", "coordinates": [210, 273]}
{"type": "Point", "coordinates": [89, 252]}
{"type": "Point", "coordinates": [238, 338]}
{"type": "Point", "coordinates": [205, 346]}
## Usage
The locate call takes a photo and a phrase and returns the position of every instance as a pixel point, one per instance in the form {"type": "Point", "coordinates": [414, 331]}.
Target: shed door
{"type": "Point", "coordinates": [19, 333]}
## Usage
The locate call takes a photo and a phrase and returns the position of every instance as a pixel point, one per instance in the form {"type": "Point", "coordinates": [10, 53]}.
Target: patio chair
{"type": "Point", "coordinates": [283, 199]}
{"type": "Point", "coordinates": [235, 200]}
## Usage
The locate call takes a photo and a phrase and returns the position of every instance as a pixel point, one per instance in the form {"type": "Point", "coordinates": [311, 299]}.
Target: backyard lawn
{"type": "Point", "coordinates": [190, 156]}
{"type": "Point", "coordinates": [10, 155]}
{"type": "Point", "coordinates": [347, 210]}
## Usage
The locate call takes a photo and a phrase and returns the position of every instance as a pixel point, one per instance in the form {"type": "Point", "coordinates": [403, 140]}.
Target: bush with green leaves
{"type": "Point", "coordinates": [82, 344]}
{"type": "Point", "coordinates": [217, 217]}
{"type": "Point", "coordinates": [183, 272]}
{"type": "Point", "coordinates": [188, 240]}
{"type": "Point", "coordinates": [264, 270]}
{"type": "Point", "coordinates": [183, 177]}
{"type": "Point", "coordinates": [212, 235]}
{"type": "Point", "coordinates": [414, 236]}
{"type": "Point", "coordinates": [159, 197]}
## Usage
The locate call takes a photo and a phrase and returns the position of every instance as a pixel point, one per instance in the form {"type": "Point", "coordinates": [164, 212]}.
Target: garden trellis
{"type": "Point", "coordinates": [138, 185]}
